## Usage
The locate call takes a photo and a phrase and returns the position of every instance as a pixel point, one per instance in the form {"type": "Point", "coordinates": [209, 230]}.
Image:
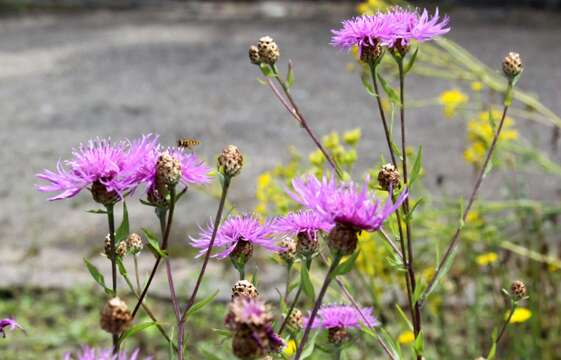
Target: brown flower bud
{"type": "Point", "coordinates": [512, 65]}
{"type": "Point", "coordinates": [242, 252]}
{"type": "Point", "coordinates": [121, 249]}
{"type": "Point", "coordinates": [107, 246]}
{"type": "Point", "coordinates": [101, 195]}
{"type": "Point", "coordinates": [296, 320]}
{"type": "Point", "coordinates": [230, 161]}
{"type": "Point", "coordinates": [134, 243]}
{"type": "Point", "coordinates": [268, 50]}
{"type": "Point", "coordinates": [168, 171]}
{"type": "Point", "coordinates": [371, 54]}
{"type": "Point", "coordinates": [337, 335]}
{"type": "Point", "coordinates": [115, 316]}
{"type": "Point", "coordinates": [244, 288]}
{"type": "Point", "coordinates": [288, 252]}
{"type": "Point", "coordinates": [388, 176]}
{"type": "Point", "coordinates": [342, 239]}
{"type": "Point", "coordinates": [245, 345]}
{"type": "Point", "coordinates": [307, 244]}
{"type": "Point", "coordinates": [254, 55]}
{"type": "Point", "coordinates": [518, 289]}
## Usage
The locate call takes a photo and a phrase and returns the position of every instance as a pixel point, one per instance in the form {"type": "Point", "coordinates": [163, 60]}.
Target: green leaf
{"type": "Point", "coordinates": [405, 318]}
{"type": "Point", "coordinates": [201, 304]}
{"type": "Point", "coordinates": [309, 349]}
{"type": "Point", "coordinates": [290, 75]}
{"type": "Point", "coordinates": [306, 283]}
{"type": "Point", "coordinates": [223, 333]}
{"type": "Point", "coordinates": [417, 166]}
{"type": "Point", "coordinates": [386, 339]}
{"type": "Point", "coordinates": [440, 273]}
{"type": "Point", "coordinates": [392, 94]}
{"type": "Point", "coordinates": [123, 230]}
{"type": "Point", "coordinates": [121, 266]}
{"type": "Point", "coordinates": [365, 78]}
{"type": "Point", "coordinates": [97, 211]}
{"type": "Point", "coordinates": [411, 62]}
{"type": "Point", "coordinates": [492, 352]}
{"type": "Point", "coordinates": [97, 276]}
{"type": "Point", "coordinates": [153, 244]}
{"type": "Point", "coordinates": [266, 70]}
{"type": "Point", "coordinates": [421, 286]}
{"type": "Point", "coordinates": [419, 344]}
{"type": "Point", "coordinates": [136, 329]}
{"type": "Point", "coordinates": [347, 265]}
{"type": "Point", "coordinates": [410, 213]}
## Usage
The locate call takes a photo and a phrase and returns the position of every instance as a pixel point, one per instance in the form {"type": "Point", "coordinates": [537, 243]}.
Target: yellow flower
{"type": "Point", "coordinates": [316, 158]}
{"type": "Point", "coordinates": [451, 100]}
{"type": "Point", "coordinates": [487, 258]}
{"type": "Point", "coordinates": [473, 217]}
{"type": "Point", "coordinates": [290, 348]}
{"type": "Point", "coordinates": [406, 337]}
{"type": "Point", "coordinates": [475, 153]}
{"type": "Point", "coordinates": [352, 137]}
{"type": "Point", "coordinates": [520, 315]}
{"type": "Point", "coordinates": [331, 140]}
{"type": "Point", "coordinates": [428, 273]}
{"type": "Point", "coordinates": [476, 86]}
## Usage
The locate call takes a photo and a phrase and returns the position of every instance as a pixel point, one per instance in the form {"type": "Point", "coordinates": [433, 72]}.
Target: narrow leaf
{"type": "Point", "coordinates": [123, 230]}
{"type": "Point", "coordinates": [392, 94]}
{"type": "Point", "coordinates": [153, 244]}
{"type": "Point", "coordinates": [97, 211]}
{"type": "Point", "coordinates": [307, 285]}
{"type": "Point", "coordinates": [405, 318]}
{"type": "Point", "coordinates": [417, 166]}
{"type": "Point", "coordinates": [419, 345]}
{"type": "Point", "coordinates": [290, 75]}
{"type": "Point", "coordinates": [266, 70]}
{"type": "Point", "coordinates": [309, 349]}
{"type": "Point", "coordinates": [347, 265]}
{"type": "Point", "coordinates": [121, 266]}
{"type": "Point", "coordinates": [136, 329]}
{"type": "Point", "coordinates": [97, 276]}
{"type": "Point", "coordinates": [201, 304]}
{"type": "Point", "coordinates": [411, 62]}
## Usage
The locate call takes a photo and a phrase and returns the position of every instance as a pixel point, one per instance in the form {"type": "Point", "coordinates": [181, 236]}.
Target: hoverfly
{"type": "Point", "coordinates": [187, 143]}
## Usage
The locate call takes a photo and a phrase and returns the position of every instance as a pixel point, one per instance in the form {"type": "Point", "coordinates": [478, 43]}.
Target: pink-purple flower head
{"type": "Point", "coordinates": [107, 168]}
{"type": "Point", "coordinates": [233, 231]}
{"type": "Point", "coordinates": [9, 323]}
{"type": "Point", "coordinates": [307, 222]}
{"type": "Point", "coordinates": [363, 31]}
{"type": "Point", "coordinates": [343, 316]}
{"type": "Point", "coordinates": [412, 25]}
{"type": "Point", "coordinates": [88, 353]}
{"type": "Point", "coordinates": [347, 204]}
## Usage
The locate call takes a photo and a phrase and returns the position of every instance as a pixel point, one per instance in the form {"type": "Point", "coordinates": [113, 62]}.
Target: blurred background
{"type": "Point", "coordinates": [71, 70]}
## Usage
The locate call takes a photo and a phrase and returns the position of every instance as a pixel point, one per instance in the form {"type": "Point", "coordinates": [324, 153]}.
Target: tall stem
{"type": "Point", "coordinates": [308, 266]}
{"type": "Point", "coordinates": [326, 281]}
{"type": "Point", "coordinates": [507, 321]}
{"type": "Point", "coordinates": [287, 283]}
{"type": "Point", "coordinates": [111, 225]}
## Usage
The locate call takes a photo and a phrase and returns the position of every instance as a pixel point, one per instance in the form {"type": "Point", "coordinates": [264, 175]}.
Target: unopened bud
{"type": "Point", "coordinates": [168, 170]}
{"type": "Point", "coordinates": [268, 50]}
{"type": "Point", "coordinates": [388, 177]}
{"type": "Point", "coordinates": [337, 335]}
{"type": "Point", "coordinates": [134, 243]}
{"type": "Point", "coordinates": [296, 320]}
{"type": "Point", "coordinates": [121, 249]}
{"type": "Point", "coordinates": [103, 196]}
{"type": "Point", "coordinates": [254, 55]}
{"type": "Point", "coordinates": [512, 65]}
{"type": "Point", "coordinates": [371, 54]}
{"type": "Point", "coordinates": [518, 289]}
{"type": "Point", "coordinates": [115, 316]}
{"type": "Point", "coordinates": [288, 252]}
{"type": "Point", "coordinates": [307, 245]}
{"type": "Point", "coordinates": [230, 161]}
{"type": "Point", "coordinates": [342, 239]}
{"type": "Point", "coordinates": [244, 288]}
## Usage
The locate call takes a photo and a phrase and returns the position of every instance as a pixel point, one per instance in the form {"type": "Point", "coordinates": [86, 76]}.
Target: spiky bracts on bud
{"type": "Point", "coordinates": [371, 54]}
{"type": "Point", "coordinates": [337, 335]}
{"type": "Point", "coordinates": [254, 55]}
{"type": "Point", "coordinates": [101, 195]}
{"type": "Point", "coordinates": [388, 177]}
{"type": "Point", "coordinates": [107, 246]}
{"type": "Point", "coordinates": [115, 316]}
{"type": "Point", "coordinates": [244, 288]}
{"type": "Point", "coordinates": [168, 171]}
{"type": "Point", "coordinates": [307, 245]}
{"type": "Point", "coordinates": [121, 249]}
{"type": "Point", "coordinates": [518, 289]}
{"type": "Point", "coordinates": [268, 50]}
{"type": "Point", "coordinates": [295, 321]}
{"type": "Point", "coordinates": [230, 161]}
{"type": "Point", "coordinates": [135, 243]}
{"type": "Point", "coordinates": [342, 239]}
{"type": "Point", "coordinates": [241, 253]}
{"type": "Point", "coordinates": [512, 65]}
{"type": "Point", "coordinates": [288, 250]}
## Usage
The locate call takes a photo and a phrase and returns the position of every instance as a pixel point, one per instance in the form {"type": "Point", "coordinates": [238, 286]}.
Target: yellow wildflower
{"type": "Point", "coordinates": [473, 217]}
{"type": "Point", "coordinates": [370, 7]}
{"type": "Point", "coordinates": [520, 315]}
{"type": "Point", "coordinates": [476, 86]}
{"type": "Point", "coordinates": [428, 274]}
{"type": "Point", "coordinates": [290, 348]}
{"type": "Point", "coordinates": [475, 153]}
{"type": "Point", "coordinates": [406, 337]}
{"type": "Point", "coordinates": [352, 137]}
{"type": "Point", "coordinates": [331, 140]}
{"type": "Point", "coordinates": [487, 258]}
{"type": "Point", "coordinates": [316, 158]}
{"type": "Point", "coordinates": [451, 100]}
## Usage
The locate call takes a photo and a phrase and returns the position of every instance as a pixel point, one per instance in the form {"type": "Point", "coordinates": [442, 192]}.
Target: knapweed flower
{"type": "Point", "coordinates": [351, 208]}
{"type": "Point", "coordinates": [305, 225]}
{"type": "Point", "coordinates": [107, 168]}
{"type": "Point", "coordinates": [10, 324]}
{"type": "Point", "coordinates": [235, 233]}
{"type": "Point", "coordinates": [337, 319]}
{"type": "Point", "coordinates": [88, 353]}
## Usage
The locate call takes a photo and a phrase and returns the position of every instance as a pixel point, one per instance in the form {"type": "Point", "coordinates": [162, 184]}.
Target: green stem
{"type": "Point", "coordinates": [507, 321]}
{"type": "Point", "coordinates": [111, 224]}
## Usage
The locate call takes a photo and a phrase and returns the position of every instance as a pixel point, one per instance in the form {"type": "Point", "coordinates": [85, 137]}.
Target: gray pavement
{"type": "Point", "coordinates": [66, 78]}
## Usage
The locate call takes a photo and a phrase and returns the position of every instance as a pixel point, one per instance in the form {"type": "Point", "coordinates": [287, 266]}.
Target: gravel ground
{"type": "Point", "coordinates": [66, 78]}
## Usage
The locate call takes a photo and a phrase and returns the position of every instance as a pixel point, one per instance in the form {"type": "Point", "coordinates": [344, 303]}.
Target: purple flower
{"type": "Point", "coordinates": [10, 324]}
{"type": "Point", "coordinates": [344, 203]}
{"type": "Point", "coordinates": [234, 230]}
{"type": "Point", "coordinates": [412, 25]}
{"type": "Point", "coordinates": [363, 31]}
{"type": "Point", "coordinates": [342, 316]}
{"type": "Point", "coordinates": [193, 170]}
{"type": "Point", "coordinates": [303, 221]}
{"type": "Point", "coordinates": [88, 353]}
{"type": "Point", "coordinates": [99, 163]}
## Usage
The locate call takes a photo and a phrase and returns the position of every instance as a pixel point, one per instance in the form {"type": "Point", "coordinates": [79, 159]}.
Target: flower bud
{"type": "Point", "coordinates": [295, 321]}
{"type": "Point", "coordinates": [254, 55]}
{"type": "Point", "coordinates": [288, 252]}
{"type": "Point", "coordinates": [268, 50]}
{"type": "Point", "coordinates": [101, 195]}
{"type": "Point", "coordinates": [512, 65]}
{"type": "Point", "coordinates": [518, 289]}
{"type": "Point", "coordinates": [244, 288]}
{"type": "Point", "coordinates": [115, 316]}
{"type": "Point", "coordinates": [337, 335]}
{"type": "Point", "coordinates": [246, 346]}
{"type": "Point", "coordinates": [241, 253]}
{"type": "Point", "coordinates": [307, 244]}
{"type": "Point", "coordinates": [230, 161]}
{"type": "Point", "coordinates": [388, 176]}
{"type": "Point", "coordinates": [121, 249]}
{"type": "Point", "coordinates": [134, 243]}
{"type": "Point", "coordinates": [107, 246]}
{"type": "Point", "coordinates": [371, 54]}
{"type": "Point", "coordinates": [168, 171]}
{"type": "Point", "coordinates": [342, 239]}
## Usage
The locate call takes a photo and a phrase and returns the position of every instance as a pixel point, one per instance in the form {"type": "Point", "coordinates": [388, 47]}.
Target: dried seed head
{"type": "Point", "coordinates": [371, 54]}
{"type": "Point", "coordinates": [254, 55]}
{"type": "Point", "coordinates": [288, 252]}
{"type": "Point", "coordinates": [512, 65]}
{"type": "Point", "coordinates": [388, 176]}
{"type": "Point", "coordinates": [134, 243]}
{"type": "Point", "coordinates": [101, 195]}
{"type": "Point", "coordinates": [296, 320]}
{"type": "Point", "coordinates": [268, 50]}
{"type": "Point", "coordinates": [307, 245]}
{"type": "Point", "coordinates": [244, 288]}
{"type": "Point", "coordinates": [115, 316]}
{"type": "Point", "coordinates": [168, 171]}
{"type": "Point", "coordinates": [337, 335]}
{"type": "Point", "coordinates": [518, 289]}
{"type": "Point", "coordinates": [342, 239]}
{"type": "Point", "coordinates": [121, 249]}
{"type": "Point", "coordinates": [230, 161]}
